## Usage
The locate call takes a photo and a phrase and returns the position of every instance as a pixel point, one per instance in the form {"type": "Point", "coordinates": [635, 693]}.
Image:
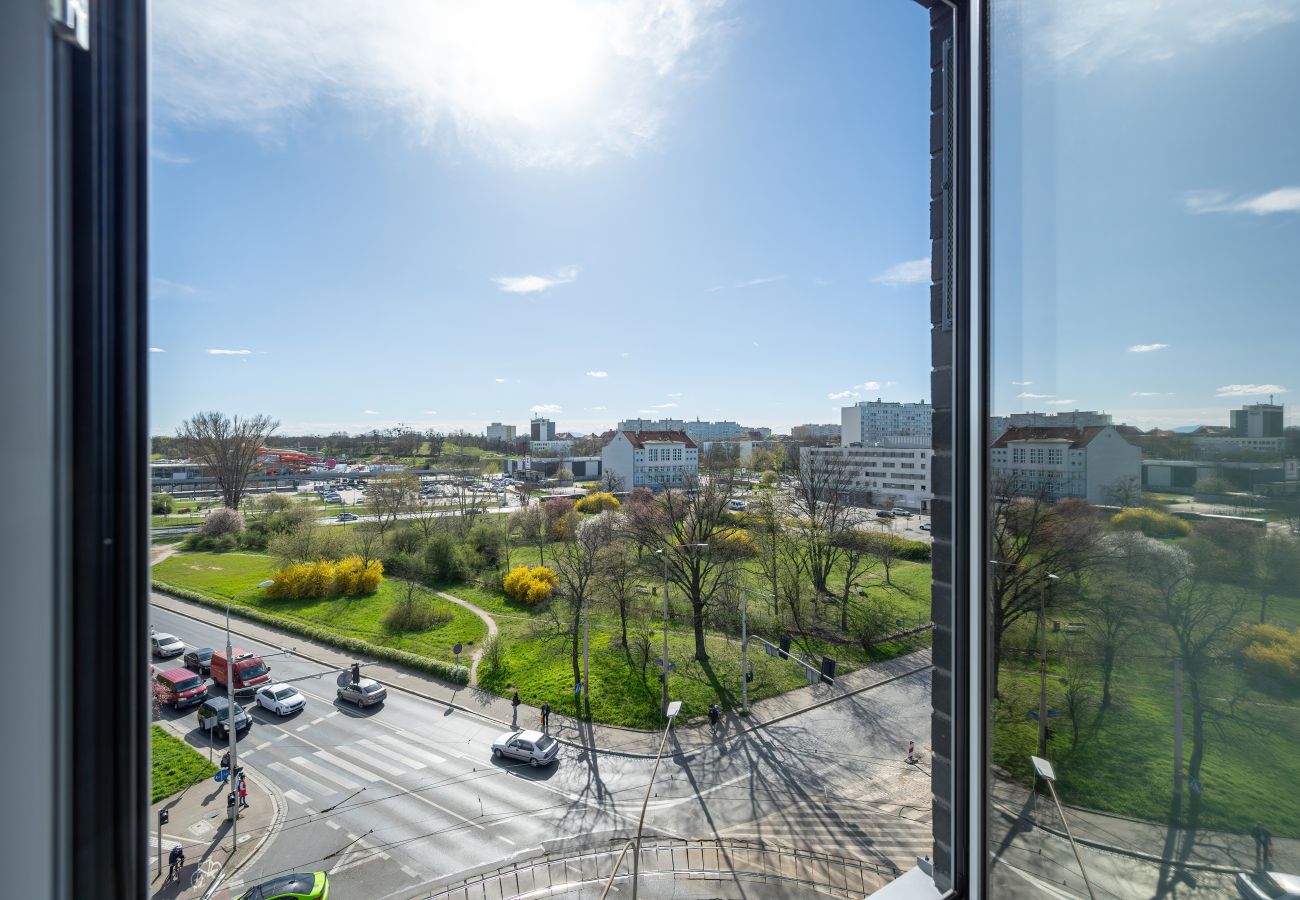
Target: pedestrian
{"type": "Point", "coordinates": [514, 710]}
{"type": "Point", "coordinates": [546, 717]}
{"type": "Point", "coordinates": [225, 760]}
{"type": "Point", "coordinates": [1263, 846]}
{"type": "Point", "coordinates": [243, 792]}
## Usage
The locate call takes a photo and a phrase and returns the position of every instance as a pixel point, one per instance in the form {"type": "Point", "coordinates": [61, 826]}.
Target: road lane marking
{"type": "Point", "coordinates": [410, 873]}
{"type": "Point", "coordinates": [345, 765]}
{"type": "Point", "coordinates": [391, 754]}
{"type": "Point", "coordinates": [506, 839]}
{"type": "Point", "coordinates": [370, 760]}
{"type": "Point", "coordinates": [296, 797]}
{"type": "Point", "coordinates": [283, 736]}
{"type": "Point", "coordinates": [304, 762]}
{"type": "Point", "coordinates": [315, 786]}
{"type": "Point", "coordinates": [317, 720]}
{"type": "Point", "coordinates": [302, 728]}
{"type": "Point", "coordinates": [263, 745]}
{"type": "Point", "coordinates": [332, 824]}
{"type": "Point", "coordinates": [408, 746]}
{"type": "Point", "coordinates": [332, 715]}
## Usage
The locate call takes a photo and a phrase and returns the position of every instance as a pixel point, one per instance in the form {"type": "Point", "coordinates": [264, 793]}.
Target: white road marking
{"type": "Point", "coordinates": [317, 720]}
{"type": "Point", "coordinates": [393, 755]}
{"type": "Point", "coordinates": [506, 839]}
{"type": "Point", "coordinates": [407, 746]}
{"type": "Point", "coordinates": [296, 797]}
{"type": "Point", "coordinates": [307, 764]}
{"type": "Point", "coordinates": [346, 766]}
{"type": "Point", "coordinates": [332, 715]}
{"type": "Point", "coordinates": [410, 873]}
{"type": "Point", "coordinates": [263, 745]}
{"type": "Point", "coordinates": [315, 786]}
{"type": "Point", "coordinates": [283, 736]}
{"type": "Point", "coordinates": [370, 760]}
{"type": "Point", "coordinates": [302, 728]}
{"type": "Point", "coordinates": [332, 824]}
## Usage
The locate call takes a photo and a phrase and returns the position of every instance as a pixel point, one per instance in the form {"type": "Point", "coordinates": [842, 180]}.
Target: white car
{"type": "Point", "coordinates": [165, 645]}
{"type": "Point", "coordinates": [281, 699]}
{"type": "Point", "coordinates": [535, 748]}
{"type": "Point", "coordinates": [1268, 886]}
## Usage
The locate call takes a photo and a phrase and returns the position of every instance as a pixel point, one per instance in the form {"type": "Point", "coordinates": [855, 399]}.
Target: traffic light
{"type": "Point", "coordinates": [164, 816]}
{"type": "Point", "coordinates": [356, 673]}
{"type": "Point", "coordinates": [749, 676]}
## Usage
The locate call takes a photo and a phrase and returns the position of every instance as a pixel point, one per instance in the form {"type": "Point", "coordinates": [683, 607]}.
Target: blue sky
{"type": "Point", "coordinates": [444, 215]}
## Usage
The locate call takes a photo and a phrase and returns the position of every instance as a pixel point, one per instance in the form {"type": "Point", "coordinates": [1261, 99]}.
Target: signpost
{"type": "Point", "coordinates": [456, 650]}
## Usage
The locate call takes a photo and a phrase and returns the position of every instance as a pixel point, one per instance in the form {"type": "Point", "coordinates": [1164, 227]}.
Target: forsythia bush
{"type": "Point", "coordinates": [598, 502]}
{"type": "Point", "coordinates": [1151, 522]}
{"type": "Point", "coordinates": [530, 585]}
{"type": "Point", "coordinates": [325, 577]}
{"type": "Point", "coordinates": [1271, 652]}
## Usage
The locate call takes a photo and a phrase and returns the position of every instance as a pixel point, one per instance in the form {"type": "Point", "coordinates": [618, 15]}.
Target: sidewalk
{"type": "Point", "coordinates": [198, 822]}
{"type": "Point", "coordinates": [1211, 850]}
{"type": "Point", "coordinates": [688, 738]}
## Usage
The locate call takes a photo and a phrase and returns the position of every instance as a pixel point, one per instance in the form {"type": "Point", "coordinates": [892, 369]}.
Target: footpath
{"type": "Point", "coordinates": [198, 821]}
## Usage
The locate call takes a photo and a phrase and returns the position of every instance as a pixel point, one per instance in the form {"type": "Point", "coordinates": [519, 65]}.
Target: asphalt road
{"type": "Point", "coordinates": [394, 798]}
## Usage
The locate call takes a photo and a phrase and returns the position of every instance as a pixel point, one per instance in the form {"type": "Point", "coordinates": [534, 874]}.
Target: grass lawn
{"type": "Point", "coordinates": [175, 765]}
{"type": "Point", "coordinates": [224, 574]}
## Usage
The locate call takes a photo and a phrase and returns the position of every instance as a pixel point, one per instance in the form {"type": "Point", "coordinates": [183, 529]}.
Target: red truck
{"type": "Point", "coordinates": [251, 672]}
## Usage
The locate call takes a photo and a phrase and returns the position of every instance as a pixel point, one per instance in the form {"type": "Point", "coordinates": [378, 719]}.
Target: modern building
{"type": "Point", "coordinates": [816, 432]}
{"type": "Point", "coordinates": [875, 476]}
{"type": "Point", "coordinates": [744, 449]}
{"type": "Point", "coordinates": [1079, 418]}
{"type": "Point", "coordinates": [651, 425]}
{"type": "Point", "coordinates": [541, 430]}
{"type": "Point", "coordinates": [881, 424]}
{"type": "Point", "coordinates": [498, 432]}
{"type": "Point", "coordinates": [651, 459]}
{"type": "Point", "coordinates": [554, 447]}
{"type": "Point", "coordinates": [584, 468]}
{"type": "Point", "coordinates": [1062, 462]}
{"type": "Point", "coordinates": [1255, 428]}
{"type": "Point", "coordinates": [1257, 420]}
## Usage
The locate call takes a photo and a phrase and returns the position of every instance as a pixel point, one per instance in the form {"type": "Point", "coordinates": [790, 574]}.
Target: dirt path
{"type": "Point", "coordinates": [487, 620]}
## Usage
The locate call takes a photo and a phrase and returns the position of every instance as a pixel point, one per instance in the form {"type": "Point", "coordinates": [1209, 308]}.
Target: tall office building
{"type": "Point", "coordinates": [877, 423]}
{"type": "Point", "coordinates": [542, 430]}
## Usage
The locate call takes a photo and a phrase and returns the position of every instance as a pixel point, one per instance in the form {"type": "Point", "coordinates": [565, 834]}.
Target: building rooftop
{"type": "Point", "coordinates": [641, 438]}
{"type": "Point", "coordinates": [1076, 437]}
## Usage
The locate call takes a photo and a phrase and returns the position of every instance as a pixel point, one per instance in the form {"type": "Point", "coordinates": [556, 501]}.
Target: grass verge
{"type": "Point", "coordinates": [175, 765]}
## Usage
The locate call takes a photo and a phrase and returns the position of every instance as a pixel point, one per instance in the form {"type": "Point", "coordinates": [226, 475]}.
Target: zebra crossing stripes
{"type": "Point", "coordinates": [369, 760]}
{"type": "Point", "coordinates": [346, 766]}
{"type": "Point", "coordinates": [391, 754]}
{"type": "Point", "coordinates": [300, 779]}
{"type": "Point", "coordinates": [408, 746]}
{"type": "Point", "coordinates": [303, 762]}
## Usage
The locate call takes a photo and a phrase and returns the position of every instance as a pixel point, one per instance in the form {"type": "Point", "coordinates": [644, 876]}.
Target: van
{"type": "Point", "coordinates": [181, 688]}
{"type": "Point", "coordinates": [250, 671]}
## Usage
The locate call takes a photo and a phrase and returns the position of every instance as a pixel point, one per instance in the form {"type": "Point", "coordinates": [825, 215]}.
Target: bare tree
{"type": "Point", "coordinates": [617, 571]}
{"type": "Point", "coordinates": [821, 515]}
{"type": "Point", "coordinates": [1125, 492]}
{"type": "Point", "coordinates": [390, 495]}
{"type": "Point", "coordinates": [858, 556]}
{"type": "Point", "coordinates": [576, 564]}
{"type": "Point", "coordinates": [1277, 568]}
{"type": "Point", "coordinates": [226, 448]}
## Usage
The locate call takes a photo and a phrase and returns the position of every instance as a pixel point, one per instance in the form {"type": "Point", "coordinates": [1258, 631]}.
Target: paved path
{"type": "Point", "coordinates": [490, 622]}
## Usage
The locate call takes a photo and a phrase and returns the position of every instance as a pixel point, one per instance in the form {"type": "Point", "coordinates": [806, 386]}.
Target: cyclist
{"type": "Point", "coordinates": [176, 862]}
{"type": "Point", "coordinates": [714, 715]}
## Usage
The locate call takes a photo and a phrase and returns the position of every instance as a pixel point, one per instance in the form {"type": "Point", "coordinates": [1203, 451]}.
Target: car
{"type": "Point", "coordinates": [1268, 886]}
{"type": "Point", "coordinates": [297, 886]}
{"type": "Point", "coordinates": [215, 713]}
{"type": "Point", "coordinates": [347, 517]}
{"type": "Point", "coordinates": [165, 645]}
{"type": "Point", "coordinates": [901, 513]}
{"type": "Point", "coordinates": [281, 699]}
{"type": "Point", "coordinates": [925, 526]}
{"type": "Point", "coordinates": [884, 514]}
{"type": "Point", "coordinates": [736, 504]}
{"type": "Point", "coordinates": [199, 660]}
{"type": "Point", "coordinates": [535, 748]}
{"type": "Point", "coordinates": [366, 692]}
{"type": "Point", "coordinates": [180, 688]}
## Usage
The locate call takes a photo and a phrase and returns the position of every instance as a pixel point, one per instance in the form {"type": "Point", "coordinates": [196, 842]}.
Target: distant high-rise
{"type": "Point", "coordinates": [542, 430]}
{"type": "Point", "coordinates": [877, 423]}
{"type": "Point", "coordinates": [1257, 420]}
{"type": "Point", "coordinates": [498, 432]}
{"type": "Point", "coordinates": [816, 432]}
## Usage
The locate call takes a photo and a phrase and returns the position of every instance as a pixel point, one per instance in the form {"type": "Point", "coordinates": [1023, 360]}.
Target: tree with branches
{"type": "Point", "coordinates": [577, 565]}
{"type": "Point", "coordinates": [389, 495]}
{"type": "Point", "coordinates": [821, 515]}
{"type": "Point", "coordinates": [226, 448]}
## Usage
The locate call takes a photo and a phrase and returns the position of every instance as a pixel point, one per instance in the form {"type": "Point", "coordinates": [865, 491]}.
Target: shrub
{"type": "Point", "coordinates": [161, 504]}
{"type": "Point", "coordinates": [597, 502]}
{"type": "Point", "coordinates": [899, 547]}
{"type": "Point", "coordinates": [222, 521]}
{"type": "Point", "coordinates": [415, 613]}
{"type": "Point", "coordinates": [493, 654]}
{"type": "Point", "coordinates": [1270, 653]}
{"type": "Point", "coordinates": [485, 539]}
{"type": "Point", "coordinates": [445, 559]}
{"type": "Point", "coordinates": [1150, 522]}
{"type": "Point", "coordinates": [530, 585]}
{"type": "Point", "coordinates": [407, 540]}
{"type": "Point", "coordinates": [223, 543]}
{"type": "Point", "coordinates": [323, 578]}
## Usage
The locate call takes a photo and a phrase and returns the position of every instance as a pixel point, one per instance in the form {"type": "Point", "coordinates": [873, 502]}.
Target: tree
{"type": "Point", "coordinates": [821, 515]}
{"type": "Point", "coordinates": [617, 572]}
{"type": "Point", "coordinates": [1224, 552]}
{"type": "Point", "coordinates": [576, 565]}
{"type": "Point", "coordinates": [858, 556]}
{"type": "Point", "coordinates": [562, 474]}
{"type": "Point", "coordinates": [161, 504]}
{"type": "Point", "coordinates": [1125, 491]}
{"type": "Point", "coordinates": [1277, 567]}
{"type": "Point", "coordinates": [389, 495]}
{"type": "Point", "coordinates": [226, 448]}
{"type": "Point", "coordinates": [222, 521]}
{"type": "Point", "coordinates": [1113, 601]}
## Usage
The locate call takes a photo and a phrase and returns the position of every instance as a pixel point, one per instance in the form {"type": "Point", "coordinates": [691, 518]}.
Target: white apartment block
{"type": "Point", "coordinates": [876, 476]}
{"type": "Point", "coordinates": [650, 459]}
{"type": "Point", "coordinates": [874, 422]}
{"type": "Point", "coordinates": [639, 425]}
{"type": "Point", "coordinates": [815, 432]}
{"type": "Point", "coordinates": [498, 432]}
{"type": "Point", "coordinates": [1064, 462]}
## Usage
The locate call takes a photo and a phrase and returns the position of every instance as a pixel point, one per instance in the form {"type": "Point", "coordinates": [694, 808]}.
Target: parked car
{"type": "Point", "coordinates": [166, 645]}
{"type": "Point", "coordinates": [925, 526]}
{"type": "Point", "coordinates": [884, 514]}
{"type": "Point", "coordinates": [901, 513]}
{"type": "Point", "coordinates": [366, 692]}
{"type": "Point", "coordinates": [736, 504]}
{"type": "Point", "coordinates": [535, 748]}
{"type": "Point", "coordinates": [199, 660]}
{"type": "Point", "coordinates": [281, 699]}
{"type": "Point", "coordinates": [181, 688]}
{"type": "Point", "coordinates": [1268, 886]}
{"type": "Point", "coordinates": [298, 886]}
{"type": "Point", "coordinates": [214, 715]}
{"type": "Point", "coordinates": [347, 517]}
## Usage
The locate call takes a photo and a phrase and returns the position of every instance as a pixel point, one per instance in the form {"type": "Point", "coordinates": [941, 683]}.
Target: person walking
{"type": "Point", "coordinates": [1263, 846]}
{"type": "Point", "coordinates": [514, 710]}
{"type": "Point", "coordinates": [546, 717]}
{"type": "Point", "coordinates": [243, 792]}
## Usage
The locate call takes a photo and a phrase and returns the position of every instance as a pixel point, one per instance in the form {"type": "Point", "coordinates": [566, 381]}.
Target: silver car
{"type": "Point", "coordinates": [1268, 886]}
{"type": "Point", "coordinates": [165, 645]}
{"type": "Point", "coordinates": [366, 692]}
{"type": "Point", "coordinates": [535, 748]}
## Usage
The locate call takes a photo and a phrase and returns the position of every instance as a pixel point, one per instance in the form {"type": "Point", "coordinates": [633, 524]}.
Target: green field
{"type": "Point", "coordinates": [175, 765]}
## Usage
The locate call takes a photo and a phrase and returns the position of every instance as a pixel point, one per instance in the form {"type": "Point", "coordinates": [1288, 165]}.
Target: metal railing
{"type": "Point", "coordinates": [557, 874]}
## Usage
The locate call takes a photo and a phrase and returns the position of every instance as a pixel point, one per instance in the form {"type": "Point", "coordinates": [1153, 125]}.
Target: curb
{"type": "Point", "coordinates": [609, 751]}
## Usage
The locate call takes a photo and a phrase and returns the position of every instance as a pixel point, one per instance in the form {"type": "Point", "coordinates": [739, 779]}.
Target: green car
{"type": "Point", "coordinates": [298, 886]}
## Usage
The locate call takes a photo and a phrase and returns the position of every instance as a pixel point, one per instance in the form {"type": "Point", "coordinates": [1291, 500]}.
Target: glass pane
{"type": "Point", "coordinates": [1144, 602]}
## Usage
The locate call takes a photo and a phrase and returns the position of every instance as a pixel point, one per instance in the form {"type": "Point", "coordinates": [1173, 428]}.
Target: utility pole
{"type": "Point", "coordinates": [586, 679]}
{"type": "Point", "coordinates": [663, 703]}
{"type": "Point", "coordinates": [1178, 726]}
{"type": "Point", "coordinates": [231, 730]}
{"type": "Point", "coordinates": [744, 651]}
{"type": "Point", "coordinates": [1042, 665]}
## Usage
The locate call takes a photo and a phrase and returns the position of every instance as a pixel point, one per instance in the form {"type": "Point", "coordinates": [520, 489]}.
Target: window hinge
{"type": "Point", "coordinates": [72, 21]}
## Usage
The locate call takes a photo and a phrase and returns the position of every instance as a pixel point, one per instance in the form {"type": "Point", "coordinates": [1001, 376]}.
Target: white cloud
{"type": "Point", "coordinates": [1022, 383]}
{"type": "Point", "coordinates": [157, 350]}
{"type": "Point", "coordinates": [1030, 395]}
{"type": "Point", "coordinates": [1060, 402]}
{"type": "Point", "coordinates": [674, 394]}
{"type": "Point", "coordinates": [499, 380]}
{"type": "Point", "coordinates": [598, 373]}
{"type": "Point", "coordinates": [161, 287]}
{"type": "Point", "coordinates": [1086, 36]}
{"type": "Point", "coordinates": [175, 159]}
{"type": "Point", "coordinates": [535, 284]}
{"type": "Point", "coordinates": [220, 352]}
{"type": "Point", "coordinates": [625, 354]}
{"type": "Point", "coordinates": [914, 271]}
{"type": "Point", "coordinates": [532, 84]}
{"type": "Point", "coordinates": [549, 408]}
{"type": "Point", "coordinates": [869, 386]}
{"type": "Point", "coordinates": [369, 412]}
{"type": "Point", "coordinates": [842, 395]}
{"type": "Point", "coordinates": [669, 405]}
{"type": "Point", "coordinates": [597, 408]}
{"type": "Point", "coordinates": [1282, 200]}
{"type": "Point", "coordinates": [752, 282]}
{"type": "Point", "coordinates": [430, 412]}
{"type": "Point", "coordinates": [1249, 390]}
{"type": "Point", "coordinates": [1146, 348]}
{"type": "Point", "coordinates": [1145, 394]}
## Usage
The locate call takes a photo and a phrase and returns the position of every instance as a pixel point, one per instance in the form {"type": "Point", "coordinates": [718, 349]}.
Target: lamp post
{"type": "Point", "coordinates": [1043, 769]}
{"type": "Point", "coordinates": [231, 730]}
{"type": "Point", "coordinates": [744, 651]}
{"type": "Point", "coordinates": [662, 551]}
{"type": "Point", "coordinates": [1042, 664]}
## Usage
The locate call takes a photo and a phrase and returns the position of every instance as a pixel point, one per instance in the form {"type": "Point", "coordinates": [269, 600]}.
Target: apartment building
{"type": "Point", "coordinates": [816, 432]}
{"type": "Point", "coordinates": [498, 432]}
{"type": "Point", "coordinates": [875, 422]}
{"type": "Point", "coordinates": [875, 476]}
{"type": "Point", "coordinates": [651, 459]}
{"type": "Point", "coordinates": [1064, 462]}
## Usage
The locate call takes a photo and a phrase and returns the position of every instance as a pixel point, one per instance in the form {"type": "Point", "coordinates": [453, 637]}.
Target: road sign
{"type": "Point", "coordinates": [577, 688]}
{"type": "Point", "coordinates": [221, 775]}
{"type": "Point", "coordinates": [1051, 714]}
{"type": "Point", "coordinates": [456, 649]}
{"type": "Point", "coordinates": [1195, 785]}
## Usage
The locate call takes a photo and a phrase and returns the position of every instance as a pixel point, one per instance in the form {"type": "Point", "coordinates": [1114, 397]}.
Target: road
{"type": "Point", "coordinates": [394, 798]}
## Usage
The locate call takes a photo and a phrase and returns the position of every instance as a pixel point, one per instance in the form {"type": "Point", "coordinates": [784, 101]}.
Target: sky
{"type": "Point", "coordinates": [439, 215]}
{"type": "Point", "coordinates": [443, 214]}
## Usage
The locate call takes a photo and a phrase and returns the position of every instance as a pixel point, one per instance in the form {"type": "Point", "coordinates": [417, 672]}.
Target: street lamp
{"type": "Point", "coordinates": [230, 718]}
{"type": "Point", "coordinates": [671, 711]}
{"type": "Point", "coordinates": [1051, 580]}
{"type": "Point", "coordinates": [1043, 769]}
{"type": "Point", "coordinates": [663, 703]}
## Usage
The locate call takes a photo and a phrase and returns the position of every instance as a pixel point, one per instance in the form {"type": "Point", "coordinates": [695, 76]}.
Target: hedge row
{"type": "Point", "coordinates": [436, 667]}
